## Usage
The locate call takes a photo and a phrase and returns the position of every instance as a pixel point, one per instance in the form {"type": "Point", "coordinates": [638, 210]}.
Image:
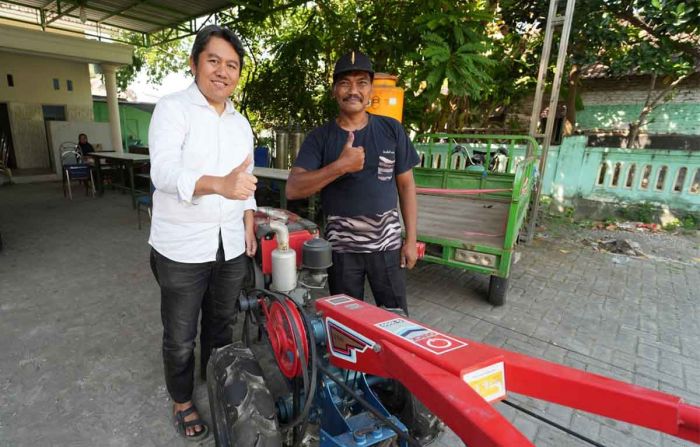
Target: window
{"type": "Point", "coordinates": [601, 173]}
{"type": "Point", "coordinates": [630, 176]}
{"type": "Point", "coordinates": [10, 81]}
{"type": "Point", "coordinates": [695, 186]}
{"type": "Point", "coordinates": [69, 85]}
{"type": "Point", "coordinates": [644, 183]}
{"type": "Point", "coordinates": [56, 84]}
{"type": "Point", "coordinates": [54, 113]}
{"type": "Point", "coordinates": [661, 178]}
{"type": "Point", "coordinates": [680, 180]}
{"type": "Point", "coordinates": [616, 174]}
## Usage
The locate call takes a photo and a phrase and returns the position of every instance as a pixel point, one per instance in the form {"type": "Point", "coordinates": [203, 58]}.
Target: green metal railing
{"type": "Point", "coordinates": [447, 162]}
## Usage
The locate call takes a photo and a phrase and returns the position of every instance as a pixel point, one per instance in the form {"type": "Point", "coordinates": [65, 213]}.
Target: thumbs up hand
{"type": "Point", "coordinates": [239, 184]}
{"type": "Point", "coordinates": [352, 159]}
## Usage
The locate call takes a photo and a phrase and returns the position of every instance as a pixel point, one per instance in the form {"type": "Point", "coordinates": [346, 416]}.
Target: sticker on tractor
{"type": "Point", "coordinates": [489, 382]}
{"type": "Point", "coordinates": [341, 299]}
{"type": "Point", "coordinates": [344, 342]}
{"type": "Point", "coordinates": [422, 336]}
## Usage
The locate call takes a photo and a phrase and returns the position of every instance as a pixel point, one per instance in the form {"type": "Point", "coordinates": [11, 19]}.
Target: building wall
{"type": "Point", "coordinates": [681, 118]}
{"type": "Point", "coordinates": [80, 112]}
{"type": "Point", "coordinates": [33, 88]}
{"type": "Point", "coordinates": [33, 78]}
{"type": "Point", "coordinates": [134, 121]}
{"type": "Point", "coordinates": [610, 104]}
{"type": "Point", "coordinates": [28, 135]}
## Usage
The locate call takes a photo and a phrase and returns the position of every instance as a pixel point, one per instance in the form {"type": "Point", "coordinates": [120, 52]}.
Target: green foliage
{"type": "Point", "coordinates": [609, 220]}
{"type": "Point", "coordinates": [643, 212]}
{"type": "Point", "coordinates": [293, 45]}
{"type": "Point", "coordinates": [157, 61]}
{"type": "Point", "coordinates": [690, 222]}
{"type": "Point", "coordinates": [463, 63]}
{"type": "Point", "coordinates": [660, 37]}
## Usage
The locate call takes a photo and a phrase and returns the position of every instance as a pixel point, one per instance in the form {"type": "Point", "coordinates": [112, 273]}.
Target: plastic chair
{"type": "Point", "coordinates": [145, 201]}
{"type": "Point", "coordinates": [75, 169]}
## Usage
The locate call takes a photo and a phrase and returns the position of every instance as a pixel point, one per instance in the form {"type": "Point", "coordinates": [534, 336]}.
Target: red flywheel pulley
{"type": "Point", "coordinates": [280, 321]}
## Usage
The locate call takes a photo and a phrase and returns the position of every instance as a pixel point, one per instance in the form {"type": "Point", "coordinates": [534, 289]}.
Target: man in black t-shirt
{"type": "Point", "coordinates": [362, 165]}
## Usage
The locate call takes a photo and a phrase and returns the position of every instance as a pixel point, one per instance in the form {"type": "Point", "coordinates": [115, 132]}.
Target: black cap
{"type": "Point", "coordinates": [352, 61]}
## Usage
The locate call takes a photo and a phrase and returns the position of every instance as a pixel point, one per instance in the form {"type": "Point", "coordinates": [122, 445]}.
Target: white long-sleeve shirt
{"type": "Point", "coordinates": [189, 139]}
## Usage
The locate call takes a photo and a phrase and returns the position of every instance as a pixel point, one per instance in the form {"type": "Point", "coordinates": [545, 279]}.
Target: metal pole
{"type": "Point", "coordinates": [552, 111]}
{"type": "Point", "coordinates": [544, 63]}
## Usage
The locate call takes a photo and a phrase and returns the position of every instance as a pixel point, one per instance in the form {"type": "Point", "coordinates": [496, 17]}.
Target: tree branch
{"type": "Point", "coordinates": [686, 47]}
{"type": "Point", "coordinates": [651, 89]}
{"type": "Point", "coordinates": [668, 89]}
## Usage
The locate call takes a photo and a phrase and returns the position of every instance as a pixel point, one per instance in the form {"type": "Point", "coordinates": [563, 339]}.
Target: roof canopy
{"type": "Point", "coordinates": [27, 41]}
{"type": "Point", "coordinates": [157, 20]}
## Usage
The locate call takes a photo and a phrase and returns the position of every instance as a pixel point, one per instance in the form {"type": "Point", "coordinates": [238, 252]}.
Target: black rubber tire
{"type": "Point", "coordinates": [422, 424]}
{"type": "Point", "coordinates": [498, 287]}
{"type": "Point", "coordinates": [242, 407]}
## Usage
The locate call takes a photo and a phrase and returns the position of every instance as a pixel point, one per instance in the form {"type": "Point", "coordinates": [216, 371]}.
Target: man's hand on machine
{"type": "Point", "coordinates": [251, 243]}
{"type": "Point", "coordinates": [238, 184]}
{"type": "Point", "coordinates": [409, 255]}
{"type": "Point", "coordinates": [352, 159]}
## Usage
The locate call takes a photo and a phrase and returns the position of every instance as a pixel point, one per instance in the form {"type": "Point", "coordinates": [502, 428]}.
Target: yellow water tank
{"type": "Point", "coordinates": [386, 97]}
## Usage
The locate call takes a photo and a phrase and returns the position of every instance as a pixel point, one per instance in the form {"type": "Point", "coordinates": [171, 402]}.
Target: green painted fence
{"type": "Point", "coordinates": [669, 178]}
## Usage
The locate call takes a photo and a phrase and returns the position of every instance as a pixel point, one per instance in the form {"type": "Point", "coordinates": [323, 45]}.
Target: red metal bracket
{"type": "Point", "coordinates": [457, 378]}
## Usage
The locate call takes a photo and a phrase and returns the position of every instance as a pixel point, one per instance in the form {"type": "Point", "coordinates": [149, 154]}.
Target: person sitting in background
{"type": "Point", "coordinates": [84, 147]}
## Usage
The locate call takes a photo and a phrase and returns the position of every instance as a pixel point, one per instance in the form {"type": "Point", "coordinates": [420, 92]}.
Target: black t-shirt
{"type": "Point", "coordinates": [86, 148]}
{"type": "Point", "coordinates": [371, 191]}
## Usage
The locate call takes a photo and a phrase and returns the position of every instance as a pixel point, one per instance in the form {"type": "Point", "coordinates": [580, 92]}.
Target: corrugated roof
{"type": "Point", "coordinates": [96, 16]}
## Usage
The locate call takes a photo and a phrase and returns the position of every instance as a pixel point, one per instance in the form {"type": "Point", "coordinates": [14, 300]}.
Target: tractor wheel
{"type": "Point", "coordinates": [497, 290]}
{"type": "Point", "coordinates": [241, 404]}
{"type": "Point", "coordinates": [422, 424]}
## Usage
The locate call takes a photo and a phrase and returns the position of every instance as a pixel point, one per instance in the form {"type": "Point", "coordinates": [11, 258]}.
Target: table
{"type": "Point", "coordinates": [127, 160]}
{"type": "Point", "coordinates": [280, 177]}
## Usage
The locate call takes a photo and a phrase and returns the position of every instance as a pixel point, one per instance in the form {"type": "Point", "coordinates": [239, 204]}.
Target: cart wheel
{"type": "Point", "coordinates": [241, 404]}
{"type": "Point", "coordinates": [422, 424]}
{"type": "Point", "coordinates": [497, 290]}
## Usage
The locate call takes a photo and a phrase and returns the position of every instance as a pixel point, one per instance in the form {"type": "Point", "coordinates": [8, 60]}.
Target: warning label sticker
{"type": "Point", "coordinates": [422, 336]}
{"type": "Point", "coordinates": [340, 299]}
{"type": "Point", "coordinates": [489, 382]}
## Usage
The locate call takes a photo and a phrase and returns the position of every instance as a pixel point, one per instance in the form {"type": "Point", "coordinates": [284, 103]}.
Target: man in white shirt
{"type": "Point", "coordinates": [201, 152]}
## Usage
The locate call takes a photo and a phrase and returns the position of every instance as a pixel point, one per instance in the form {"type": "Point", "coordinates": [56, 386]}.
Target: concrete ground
{"type": "Point", "coordinates": [80, 329]}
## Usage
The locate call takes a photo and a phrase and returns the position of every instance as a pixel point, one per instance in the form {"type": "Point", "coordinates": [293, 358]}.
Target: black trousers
{"type": "Point", "coordinates": [185, 289]}
{"type": "Point", "coordinates": [383, 271]}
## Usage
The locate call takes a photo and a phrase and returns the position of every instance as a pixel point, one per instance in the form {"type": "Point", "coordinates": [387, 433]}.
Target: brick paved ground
{"type": "Point", "coordinates": [635, 320]}
{"type": "Point", "coordinates": [80, 327]}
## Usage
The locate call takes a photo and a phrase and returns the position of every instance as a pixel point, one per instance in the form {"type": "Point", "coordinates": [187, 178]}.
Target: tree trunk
{"type": "Point", "coordinates": [633, 134]}
{"type": "Point", "coordinates": [650, 104]}
{"type": "Point", "coordinates": [574, 78]}
{"type": "Point", "coordinates": [444, 115]}
{"type": "Point", "coordinates": [634, 126]}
